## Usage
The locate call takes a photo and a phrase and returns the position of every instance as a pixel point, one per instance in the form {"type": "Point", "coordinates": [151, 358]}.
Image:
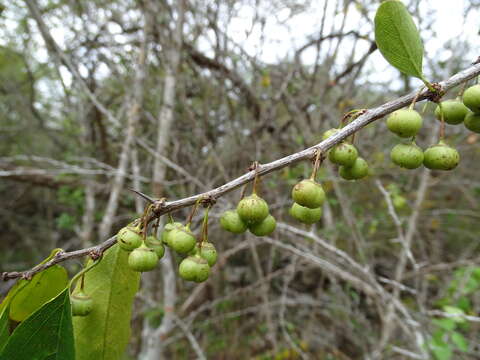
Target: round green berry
{"type": "Point", "coordinates": [252, 209]}
{"type": "Point", "coordinates": [471, 98]}
{"type": "Point", "coordinates": [472, 122]}
{"type": "Point", "coordinates": [308, 193]}
{"type": "Point", "coordinates": [405, 122]}
{"type": "Point", "coordinates": [343, 154]}
{"type": "Point", "coordinates": [81, 303]}
{"type": "Point", "coordinates": [194, 268]}
{"type": "Point", "coordinates": [142, 259]}
{"type": "Point", "coordinates": [156, 244]}
{"type": "Point", "coordinates": [399, 202]}
{"type": "Point", "coordinates": [441, 157]}
{"type": "Point", "coordinates": [408, 156]}
{"type": "Point", "coordinates": [167, 228]}
{"type": "Point", "coordinates": [266, 227]}
{"type": "Point", "coordinates": [454, 111]}
{"type": "Point", "coordinates": [304, 214]}
{"type": "Point", "coordinates": [355, 172]}
{"type": "Point", "coordinates": [129, 238]}
{"type": "Point", "coordinates": [207, 251]}
{"type": "Point", "coordinates": [231, 222]}
{"type": "Point", "coordinates": [181, 239]}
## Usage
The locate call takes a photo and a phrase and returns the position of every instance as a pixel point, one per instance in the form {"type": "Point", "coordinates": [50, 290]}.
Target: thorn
{"type": "Point", "coordinates": [146, 197]}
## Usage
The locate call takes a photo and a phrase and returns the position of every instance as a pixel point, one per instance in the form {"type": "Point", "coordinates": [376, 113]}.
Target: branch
{"type": "Point", "coordinates": [162, 207]}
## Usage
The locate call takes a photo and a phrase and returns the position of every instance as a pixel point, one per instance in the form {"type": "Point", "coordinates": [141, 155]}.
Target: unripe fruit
{"type": "Point", "coordinates": [472, 122]}
{"type": "Point", "coordinates": [308, 193]}
{"type": "Point", "coordinates": [82, 304]}
{"type": "Point", "coordinates": [454, 112]}
{"type": "Point", "coordinates": [441, 157]}
{"type": "Point", "coordinates": [356, 171]}
{"type": "Point", "coordinates": [142, 259]}
{"type": "Point", "coordinates": [156, 244]}
{"type": "Point", "coordinates": [194, 268]}
{"type": "Point", "coordinates": [230, 221]}
{"type": "Point", "coordinates": [304, 214]}
{"type": "Point", "coordinates": [329, 133]}
{"type": "Point", "coordinates": [208, 252]}
{"type": "Point", "coordinates": [252, 209]}
{"type": "Point", "coordinates": [266, 227]}
{"type": "Point", "coordinates": [408, 156]}
{"type": "Point", "coordinates": [167, 228]}
{"type": "Point", "coordinates": [129, 238]}
{"type": "Point", "coordinates": [343, 154]}
{"type": "Point", "coordinates": [471, 98]}
{"type": "Point", "coordinates": [399, 202]}
{"type": "Point", "coordinates": [181, 239]}
{"type": "Point", "coordinates": [405, 122]}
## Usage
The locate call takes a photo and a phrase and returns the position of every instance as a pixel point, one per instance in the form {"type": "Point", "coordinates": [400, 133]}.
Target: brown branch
{"type": "Point", "coordinates": [161, 207]}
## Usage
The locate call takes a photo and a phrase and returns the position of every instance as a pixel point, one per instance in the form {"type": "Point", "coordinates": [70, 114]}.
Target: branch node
{"type": "Point", "coordinates": [435, 96]}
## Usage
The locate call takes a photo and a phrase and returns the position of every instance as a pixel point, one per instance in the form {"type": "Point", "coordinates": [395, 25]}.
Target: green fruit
{"type": "Point", "coordinates": [329, 133]}
{"type": "Point", "coordinates": [167, 228]}
{"type": "Point", "coordinates": [194, 268]}
{"type": "Point", "coordinates": [308, 193]}
{"type": "Point", "coordinates": [471, 98]}
{"type": "Point", "coordinates": [129, 238]}
{"type": "Point", "coordinates": [230, 221]}
{"type": "Point", "coordinates": [156, 244]}
{"type": "Point", "coordinates": [399, 202]}
{"type": "Point", "coordinates": [408, 156]}
{"type": "Point", "coordinates": [252, 209]}
{"type": "Point", "coordinates": [343, 154]}
{"type": "Point", "coordinates": [472, 122]}
{"type": "Point", "coordinates": [181, 239]}
{"type": "Point", "coordinates": [266, 227]}
{"type": "Point", "coordinates": [441, 157]}
{"type": "Point", "coordinates": [304, 214]}
{"type": "Point", "coordinates": [142, 259]}
{"type": "Point", "coordinates": [208, 252]}
{"type": "Point", "coordinates": [405, 122]}
{"type": "Point", "coordinates": [82, 304]}
{"type": "Point", "coordinates": [454, 112]}
{"type": "Point", "coordinates": [356, 171]}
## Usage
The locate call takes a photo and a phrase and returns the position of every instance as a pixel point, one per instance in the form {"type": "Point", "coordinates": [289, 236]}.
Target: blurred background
{"type": "Point", "coordinates": [177, 97]}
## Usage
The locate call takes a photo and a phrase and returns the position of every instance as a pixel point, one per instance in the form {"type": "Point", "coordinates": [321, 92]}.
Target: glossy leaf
{"type": "Point", "coordinates": [105, 332]}
{"type": "Point", "coordinates": [398, 39]}
{"type": "Point", "coordinates": [460, 341]}
{"type": "Point", "coordinates": [46, 334]}
{"type": "Point", "coordinates": [4, 332]}
{"type": "Point", "coordinates": [42, 288]}
{"type": "Point", "coordinates": [19, 285]}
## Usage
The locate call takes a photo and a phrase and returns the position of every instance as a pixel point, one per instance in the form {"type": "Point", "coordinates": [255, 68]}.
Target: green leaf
{"type": "Point", "coordinates": [29, 295]}
{"type": "Point", "coordinates": [459, 340]}
{"type": "Point", "coordinates": [46, 334]}
{"type": "Point", "coordinates": [105, 332]}
{"type": "Point", "coordinates": [446, 324]}
{"type": "Point", "coordinates": [441, 350]}
{"type": "Point", "coordinates": [398, 39]}
{"type": "Point", "coordinates": [43, 287]}
{"type": "Point", "coordinates": [452, 310]}
{"type": "Point", "coordinates": [4, 332]}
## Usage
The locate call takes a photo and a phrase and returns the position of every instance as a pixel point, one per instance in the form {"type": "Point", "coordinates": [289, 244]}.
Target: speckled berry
{"type": "Point", "coordinates": [355, 172]}
{"type": "Point", "coordinates": [142, 259]}
{"type": "Point", "coordinates": [472, 122]}
{"type": "Point", "coordinates": [454, 112]}
{"type": "Point", "coordinates": [264, 228]}
{"type": "Point", "coordinates": [405, 122]}
{"type": "Point", "coordinates": [408, 156]}
{"type": "Point", "coordinates": [308, 193]}
{"type": "Point", "coordinates": [471, 98]}
{"type": "Point", "coordinates": [252, 209]}
{"type": "Point", "coordinates": [194, 268]}
{"type": "Point", "coordinates": [343, 154]}
{"type": "Point", "coordinates": [441, 157]}
{"type": "Point", "coordinates": [304, 214]}
{"type": "Point", "coordinates": [181, 239]}
{"type": "Point", "coordinates": [231, 222]}
{"type": "Point", "coordinates": [156, 244]}
{"type": "Point", "coordinates": [129, 238]}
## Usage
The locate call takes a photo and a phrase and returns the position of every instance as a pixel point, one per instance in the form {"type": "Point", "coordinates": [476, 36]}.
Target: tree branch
{"type": "Point", "coordinates": [162, 207]}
